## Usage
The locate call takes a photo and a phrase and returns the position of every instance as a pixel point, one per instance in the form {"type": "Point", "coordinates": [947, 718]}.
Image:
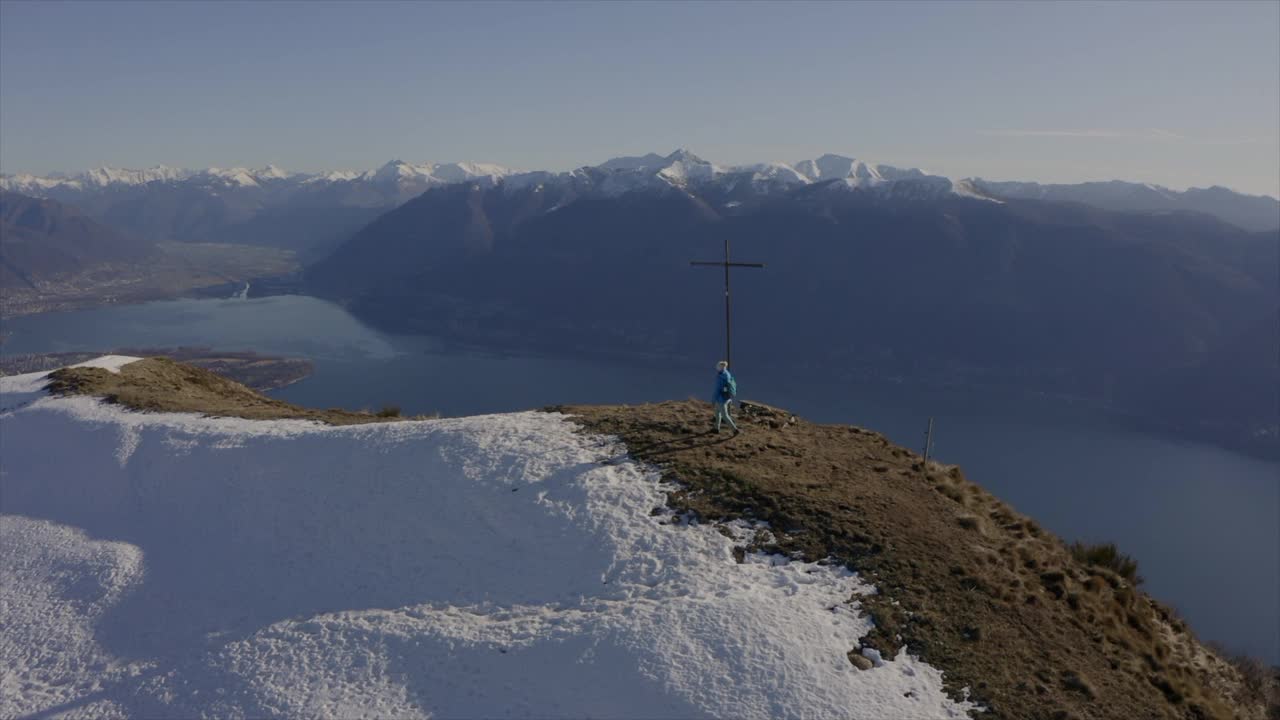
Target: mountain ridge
{"type": "Point", "coordinates": [45, 239]}
{"type": "Point", "coordinates": [311, 213]}
{"type": "Point", "coordinates": [1017, 623]}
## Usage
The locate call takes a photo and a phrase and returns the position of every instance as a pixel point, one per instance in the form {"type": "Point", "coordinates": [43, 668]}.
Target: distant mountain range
{"type": "Point", "coordinates": [313, 212]}
{"type": "Point", "coordinates": [1251, 212]}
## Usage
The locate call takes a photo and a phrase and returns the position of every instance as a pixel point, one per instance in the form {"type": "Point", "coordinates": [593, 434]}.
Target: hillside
{"type": "Point", "coordinates": [44, 240]}
{"type": "Point", "coordinates": [605, 561]}
{"type": "Point", "coordinates": [965, 582]}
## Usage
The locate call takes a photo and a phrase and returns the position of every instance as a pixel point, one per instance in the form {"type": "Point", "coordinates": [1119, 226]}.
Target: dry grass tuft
{"type": "Point", "coordinates": [1259, 682]}
{"type": "Point", "coordinates": [1107, 555]}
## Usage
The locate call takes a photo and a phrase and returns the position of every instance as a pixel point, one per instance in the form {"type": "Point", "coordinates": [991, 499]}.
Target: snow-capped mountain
{"type": "Point", "coordinates": [330, 176]}
{"type": "Point", "coordinates": [681, 169]}
{"type": "Point", "coordinates": [686, 172]}
{"type": "Point", "coordinates": [222, 204]}
{"type": "Point", "coordinates": [116, 178]}
{"type": "Point", "coordinates": [106, 176]}
{"type": "Point", "coordinates": [401, 173]}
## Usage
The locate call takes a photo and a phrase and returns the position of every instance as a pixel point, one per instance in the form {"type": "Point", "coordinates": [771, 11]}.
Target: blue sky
{"type": "Point", "coordinates": [1175, 93]}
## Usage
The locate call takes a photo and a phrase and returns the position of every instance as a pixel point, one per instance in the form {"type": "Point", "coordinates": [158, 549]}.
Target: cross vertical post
{"type": "Point", "coordinates": [928, 445]}
{"type": "Point", "coordinates": [728, 317]}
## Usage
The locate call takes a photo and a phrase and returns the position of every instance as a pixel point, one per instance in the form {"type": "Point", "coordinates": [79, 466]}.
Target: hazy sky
{"type": "Point", "coordinates": [1176, 93]}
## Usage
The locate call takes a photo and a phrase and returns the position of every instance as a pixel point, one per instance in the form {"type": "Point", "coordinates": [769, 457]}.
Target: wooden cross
{"type": "Point", "coordinates": [728, 326]}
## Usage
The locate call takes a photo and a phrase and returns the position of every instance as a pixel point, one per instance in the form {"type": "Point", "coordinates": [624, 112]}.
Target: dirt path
{"type": "Point", "coordinates": [965, 582]}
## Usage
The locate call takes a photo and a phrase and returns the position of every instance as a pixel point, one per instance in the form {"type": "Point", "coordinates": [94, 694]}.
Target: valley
{"type": "Point", "coordinates": [176, 270]}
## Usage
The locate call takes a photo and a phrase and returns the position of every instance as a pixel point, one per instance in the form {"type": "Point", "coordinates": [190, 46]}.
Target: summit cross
{"type": "Point", "coordinates": [728, 325]}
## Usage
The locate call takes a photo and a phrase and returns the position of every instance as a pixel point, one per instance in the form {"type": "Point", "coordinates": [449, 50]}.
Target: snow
{"type": "Point", "coordinates": [967, 188]}
{"type": "Point", "coordinates": [683, 167]}
{"type": "Point", "coordinates": [106, 176]}
{"type": "Point", "coordinates": [239, 177]}
{"type": "Point", "coordinates": [856, 174]}
{"type": "Point", "coordinates": [398, 172]}
{"type": "Point", "coordinates": [468, 171]}
{"type": "Point", "coordinates": [764, 175]}
{"type": "Point", "coordinates": [332, 176]}
{"type": "Point", "coordinates": [832, 167]}
{"type": "Point", "coordinates": [536, 180]}
{"type": "Point", "coordinates": [680, 169]}
{"type": "Point", "coordinates": [20, 390]}
{"type": "Point", "coordinates": [272, 172]}
{"type": "Point", "coordinates": [111, 363]}
{"type": "Point", "coordinates": [32, 185]}
{"type": "Point", "coordinates": [1160, 190]}
{"type": "Point", "coordinates": [175, 565]}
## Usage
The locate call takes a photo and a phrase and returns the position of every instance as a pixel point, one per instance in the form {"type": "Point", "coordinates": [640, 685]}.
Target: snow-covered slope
{"type": "Point", "coordinates": [162, 565]}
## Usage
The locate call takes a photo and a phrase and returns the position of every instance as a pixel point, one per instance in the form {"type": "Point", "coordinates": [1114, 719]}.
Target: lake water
{"type": "Point", "coordinates": [1203, 522]}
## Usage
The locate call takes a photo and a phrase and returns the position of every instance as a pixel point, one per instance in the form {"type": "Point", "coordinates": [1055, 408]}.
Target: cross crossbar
{"type": "Point", "coordinates": [721, 262]}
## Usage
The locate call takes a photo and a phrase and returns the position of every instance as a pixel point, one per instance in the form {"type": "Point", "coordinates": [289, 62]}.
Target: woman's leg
{"type": "Point", "coordinates": [725, 409]}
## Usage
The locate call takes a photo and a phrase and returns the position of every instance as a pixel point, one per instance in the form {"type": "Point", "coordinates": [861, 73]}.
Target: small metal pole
{"type": "Point", "coordinates": [728, 326]}
{"type": "Point", "coordinates": [928, 443]}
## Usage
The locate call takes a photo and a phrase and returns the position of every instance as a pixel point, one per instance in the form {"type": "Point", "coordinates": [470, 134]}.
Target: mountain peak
{"type": "Point", "coordinates": [272, 172]}
{"type": "Point", "coordinates": [633, 162]}
{"type": "Point", "coordinates": [682, 155]}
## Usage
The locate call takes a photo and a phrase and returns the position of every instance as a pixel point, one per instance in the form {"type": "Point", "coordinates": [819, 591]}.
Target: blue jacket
{"type": "Point", "coordinates": [726, 387]}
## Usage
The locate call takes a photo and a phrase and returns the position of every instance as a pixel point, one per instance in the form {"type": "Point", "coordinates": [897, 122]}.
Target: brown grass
{"type": "Point", "coordinates": [162, 385]}
{"type": "Point", "coordinates": [1260, 683]}
{"type": "Point", "coordinates": [967, 583]}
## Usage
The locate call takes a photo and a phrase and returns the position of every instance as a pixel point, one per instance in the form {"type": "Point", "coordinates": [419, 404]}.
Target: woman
{"type": "Point", "coordinates": [726, 391]}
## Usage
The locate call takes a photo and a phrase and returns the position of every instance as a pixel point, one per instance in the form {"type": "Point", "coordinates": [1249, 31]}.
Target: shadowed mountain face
{"type": "Point", "coordinates": [190, 212]}
{"type": "Point", "coordinates": [44, 239]}
{"type": "Point", "coordinates": [1040, 295]}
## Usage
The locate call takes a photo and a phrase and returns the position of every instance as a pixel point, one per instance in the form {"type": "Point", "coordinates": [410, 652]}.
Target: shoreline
{"type": "Point", "coordinates": [259, 372]}
{"type": "Point", "coordinates": [1263, 445]}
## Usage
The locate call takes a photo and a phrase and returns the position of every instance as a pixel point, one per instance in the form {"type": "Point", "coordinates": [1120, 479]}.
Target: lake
{"type": "Point", "coordinates": [1203, 522]}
